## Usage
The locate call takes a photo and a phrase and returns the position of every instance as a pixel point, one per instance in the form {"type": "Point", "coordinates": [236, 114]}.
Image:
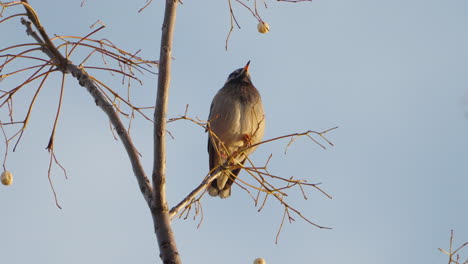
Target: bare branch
{"type": "Point", "coordinates": [52, 157]}
{"type": "Point", "coordinates": [49, 46]}
{"type": "Point", "coordinates": [233, 19]}
{"type": "Point", "coordinates": [251, 7]}
{"type": "Point", "coordinates": [159, 207]}
{"type": "Point", "coordinates": [148, 2]}
{"type": "Point", "coordinates": [50, 146]}
{"type": "Point", "coordinates": [6, 147]}
{"type": "Point", "coordinates": [454, 253]}
{"type": "Point", "coordinates": [190, 198]}
{"type": "Point", "coordinates": [86, 81]}
{"type": "Point", "coordinates": [268, 183]}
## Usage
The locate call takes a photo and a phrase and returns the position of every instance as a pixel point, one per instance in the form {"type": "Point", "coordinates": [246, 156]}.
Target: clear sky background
{"type": "Point", "coordinates": [392, 75]}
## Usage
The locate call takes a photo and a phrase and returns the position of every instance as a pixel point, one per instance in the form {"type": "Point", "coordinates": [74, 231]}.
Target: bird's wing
{"type": "Point", "coordinates": [257, 122]}
{"type": "Point", "coordinates": [214, 158]}
{"type": "Point", "coordinates": [211, 153]}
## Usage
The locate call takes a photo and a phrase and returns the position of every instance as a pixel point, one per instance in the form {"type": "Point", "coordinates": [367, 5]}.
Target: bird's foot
{"type": "Point", "coordinates": [247, 139]}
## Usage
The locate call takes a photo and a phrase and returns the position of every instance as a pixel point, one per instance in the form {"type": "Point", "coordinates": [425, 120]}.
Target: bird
{"type": "Point", "coordinates": [236, 121]}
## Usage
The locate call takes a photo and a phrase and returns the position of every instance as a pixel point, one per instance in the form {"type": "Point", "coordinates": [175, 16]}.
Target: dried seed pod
{"type": "Point", "coordinates": [263, 27]}
{"type": "Point", "coordinates": [7, 178]}
{"type": "Point", "coordinates": [259, 261]}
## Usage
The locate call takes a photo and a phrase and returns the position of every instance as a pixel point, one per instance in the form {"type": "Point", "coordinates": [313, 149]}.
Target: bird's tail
{"type": "Point", "coordinates": [222, 185]}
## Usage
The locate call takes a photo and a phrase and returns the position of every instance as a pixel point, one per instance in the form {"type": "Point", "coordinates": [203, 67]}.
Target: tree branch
{"type": "Point", "coordinates": [159, 207]}
{"type": "Point", "coordinates": [57, 56]}
{"type": "Point", "coordinates": [155, 198]}
{"type": "Point", "coordinates": [99, 99]}
{"type": "Point", "coordinates": [86, 81]}
{"type": "Point", "coordinates": [191, 196]}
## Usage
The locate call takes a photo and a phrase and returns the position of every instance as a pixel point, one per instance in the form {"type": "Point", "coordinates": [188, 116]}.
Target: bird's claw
{"type": "Point", "coordinates": [247, 139]}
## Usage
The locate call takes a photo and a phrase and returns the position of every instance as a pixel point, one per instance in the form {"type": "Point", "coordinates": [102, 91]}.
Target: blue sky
{"type": "Point", "coordinates": [392, 75]}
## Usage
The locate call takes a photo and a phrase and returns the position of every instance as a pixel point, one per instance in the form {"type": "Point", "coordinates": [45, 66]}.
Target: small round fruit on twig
{"type": "Point", "coordinates": [7, 178]}
{"type": "Point", "coordinates": [263, 27]}
{"type": "Point", "coordinates": [259, 261]}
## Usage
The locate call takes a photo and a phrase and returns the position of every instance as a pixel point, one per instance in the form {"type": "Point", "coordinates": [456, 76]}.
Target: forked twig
{"type": "Point", "coordinates": [454, 253]}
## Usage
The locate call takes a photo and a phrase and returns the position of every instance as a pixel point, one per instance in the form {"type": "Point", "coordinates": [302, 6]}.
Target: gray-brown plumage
{"type": "Point", "coordinates": [237, 119]}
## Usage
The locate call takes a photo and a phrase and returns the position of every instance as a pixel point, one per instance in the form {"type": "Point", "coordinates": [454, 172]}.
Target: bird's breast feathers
{"type": "Point", "coordinates": [234, 119]}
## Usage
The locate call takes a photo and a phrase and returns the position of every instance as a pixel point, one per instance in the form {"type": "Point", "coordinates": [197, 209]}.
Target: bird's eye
{"type": "Point", "coordinates": [234, 74]}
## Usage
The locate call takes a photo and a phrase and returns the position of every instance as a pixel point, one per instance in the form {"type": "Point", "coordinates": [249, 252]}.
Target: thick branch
{"type": "Point", "coordinates": [159, 207]}
{"type": "Point", "coordinates": [85, 81]}
{"type": "Point", "coordinates": [99, 99]}
{"type": "Point", "coordinates": [156, 199]}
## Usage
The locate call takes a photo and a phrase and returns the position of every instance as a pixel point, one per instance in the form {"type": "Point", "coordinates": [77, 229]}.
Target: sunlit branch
{"type": "Point", "coordinates": [259, 174]}
{"type": "Point", "coordinates": [454, 257]}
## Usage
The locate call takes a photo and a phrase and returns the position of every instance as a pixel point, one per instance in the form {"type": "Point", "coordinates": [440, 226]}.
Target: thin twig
{"type": "Point", "coordinates": [52, 156]}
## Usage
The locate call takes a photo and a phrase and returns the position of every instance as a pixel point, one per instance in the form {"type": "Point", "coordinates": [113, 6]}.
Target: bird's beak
{"type": "Point", "coordinates": [246, 68]}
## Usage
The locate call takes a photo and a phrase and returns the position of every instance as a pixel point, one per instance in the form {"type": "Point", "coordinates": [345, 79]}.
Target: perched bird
{"type": "Point", "coordinates": [236, 120]}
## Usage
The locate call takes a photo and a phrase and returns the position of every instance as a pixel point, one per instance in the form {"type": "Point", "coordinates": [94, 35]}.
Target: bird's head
{"type": "Point", "coordinates": [240, 75]}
